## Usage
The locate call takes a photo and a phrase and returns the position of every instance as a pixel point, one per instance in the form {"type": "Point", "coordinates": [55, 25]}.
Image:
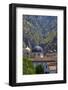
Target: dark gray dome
{"type": "Point", "coordinates": [37, 49]}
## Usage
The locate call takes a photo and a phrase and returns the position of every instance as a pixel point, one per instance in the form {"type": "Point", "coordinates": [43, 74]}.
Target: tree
{"type": "Point", "coordinates": [28, 66]}
{"type": "Point", "coordinates": [39, 69]}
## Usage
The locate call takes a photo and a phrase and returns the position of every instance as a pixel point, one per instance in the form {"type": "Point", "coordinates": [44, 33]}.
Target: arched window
{"type": "Point", "coordinates": [46, 69]}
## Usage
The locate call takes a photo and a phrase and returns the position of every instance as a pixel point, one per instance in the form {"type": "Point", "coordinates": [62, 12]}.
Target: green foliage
{"type": "Point", "coordinates": [27, 66]}
{"type": "Point", "coordinates": [39, 69]}
{"type": "Point", "coordinates": [50, 37]}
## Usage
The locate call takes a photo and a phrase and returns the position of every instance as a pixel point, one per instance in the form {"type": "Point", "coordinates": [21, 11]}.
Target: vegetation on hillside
{"type": "Point", "coordinates": [27, 66]}
{"type": "Point", "coordinates": [39, 69]}
{"type": "Point", "coordinates": [39, 30]}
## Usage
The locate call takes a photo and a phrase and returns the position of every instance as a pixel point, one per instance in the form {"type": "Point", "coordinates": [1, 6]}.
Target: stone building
{"type": "Point", "coordinates": [49, 61]}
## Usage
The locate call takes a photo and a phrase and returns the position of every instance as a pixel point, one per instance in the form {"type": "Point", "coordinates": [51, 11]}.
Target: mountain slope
{"type": "Point", "coordinates": [40, 30]}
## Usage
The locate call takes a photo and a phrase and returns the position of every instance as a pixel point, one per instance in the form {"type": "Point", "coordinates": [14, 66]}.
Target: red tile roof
{"type": "Point", "coordinates": [45, 58]}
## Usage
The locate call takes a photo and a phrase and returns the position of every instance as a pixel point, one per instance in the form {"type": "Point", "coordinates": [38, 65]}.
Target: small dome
{"type": "Point", "coordinates": [37, 49]}
{"type": "Point", "coordinates": [28, 49]}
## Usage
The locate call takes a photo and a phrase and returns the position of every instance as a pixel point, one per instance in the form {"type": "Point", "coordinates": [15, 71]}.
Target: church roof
{"type": "Point", "coordinates": [50, 58]}
{"type": "Point", "coordinates": [47, 59]}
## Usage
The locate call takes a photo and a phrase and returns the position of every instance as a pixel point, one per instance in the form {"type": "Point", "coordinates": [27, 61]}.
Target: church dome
{"type": "Point", "coordinates": [37, 49]}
